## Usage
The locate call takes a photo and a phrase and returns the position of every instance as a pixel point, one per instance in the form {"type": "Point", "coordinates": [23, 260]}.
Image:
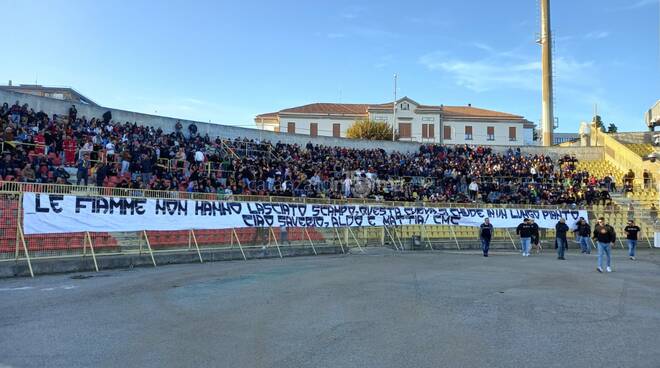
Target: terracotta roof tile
{"type": "Point", "coordinates": [457, 112]}
{"type": "Point", "coordinates": [329, 108]}
{"type": "Point", "coordinates": [474, 112]}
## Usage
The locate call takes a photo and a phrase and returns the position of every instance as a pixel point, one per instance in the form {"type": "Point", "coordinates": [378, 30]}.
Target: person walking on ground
{"type": "Point", "coordinates": [536, 236]}
{"type": "Point", "coordinates": [485, 235]}
{"type": "Point", "coordinates": [560, 230]}
{"type": "Point", "coordinates": [605, 237]}
{"type": "Point", "coordinates": [524, 230]}
{"type": "Point", "coordinates": [582, 233]}
{"type": "Point", "coordinates": [631, 235]}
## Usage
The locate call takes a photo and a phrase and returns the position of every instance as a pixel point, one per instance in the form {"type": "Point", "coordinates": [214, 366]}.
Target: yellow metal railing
{"type": "Point", "coordinates": [20, 187]}
{"type": "Point", "coordinates": [624, 159]}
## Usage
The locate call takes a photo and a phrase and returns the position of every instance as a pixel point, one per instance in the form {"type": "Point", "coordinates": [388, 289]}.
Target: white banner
{"type": "Point", "coordinates": [51, 213]}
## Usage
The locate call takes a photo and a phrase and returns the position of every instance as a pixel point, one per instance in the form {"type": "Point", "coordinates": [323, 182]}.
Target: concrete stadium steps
{"type": "Point", "coordinates": [600, 169]}
{"type": "Point", "coordinates": [641, 149]}
{"type": "Point", "coordinates": [619, 217]}
{"type": "Point", "coordinates": [644, 197]}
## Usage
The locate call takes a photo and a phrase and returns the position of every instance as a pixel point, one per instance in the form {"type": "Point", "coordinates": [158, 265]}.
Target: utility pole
{"type": "Point", "coordinates": [548, 119]}
{"type": "Point", "coordinates": [394, 110]}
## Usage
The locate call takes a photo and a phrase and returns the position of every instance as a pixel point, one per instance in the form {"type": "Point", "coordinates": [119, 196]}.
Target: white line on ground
{"type": "Point", "coordinates": [23, 288]}
{"type": "Point", "coordinates": [17, 288]}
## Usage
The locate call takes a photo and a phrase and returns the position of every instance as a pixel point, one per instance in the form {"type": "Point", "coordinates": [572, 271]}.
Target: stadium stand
{"type": "Point", "coordinates": [642, 149]}
{"type": "Point", "coordinates": [38, 148]}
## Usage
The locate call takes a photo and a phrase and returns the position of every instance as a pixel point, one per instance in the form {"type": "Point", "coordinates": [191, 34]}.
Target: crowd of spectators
{"type": "Point", "coordinates": [38, 148]}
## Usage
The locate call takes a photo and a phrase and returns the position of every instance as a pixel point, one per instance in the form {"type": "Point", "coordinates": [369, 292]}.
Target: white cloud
{"type": "Point", "coordinates": [485, 75]}
{"type": "Point", "coordinates": [633, 5]}
{"type": "Point", "coordinates": [505, 70]}
{"type": "Point", "coordinates": [597, 35]}
{"type": "Point", "coordinates": [641, 3]}
{"type": "Point", "coordinates": [483, 46]}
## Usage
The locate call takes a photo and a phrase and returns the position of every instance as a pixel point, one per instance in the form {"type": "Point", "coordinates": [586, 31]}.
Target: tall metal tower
{"type": "Point", "coordinates": [548, 117]}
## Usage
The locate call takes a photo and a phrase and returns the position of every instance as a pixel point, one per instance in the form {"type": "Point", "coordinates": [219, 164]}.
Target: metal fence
{"type": "Point", "coordinates": [20, 187]}
{"type": "Point", "coordinates": [241, 243]}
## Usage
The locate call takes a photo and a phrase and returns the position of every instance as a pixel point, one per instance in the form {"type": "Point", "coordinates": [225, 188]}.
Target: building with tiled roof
{"type": "Point", "coordinates": [60, 93]}
{"type": "Point", "coordinates": [414, 122]}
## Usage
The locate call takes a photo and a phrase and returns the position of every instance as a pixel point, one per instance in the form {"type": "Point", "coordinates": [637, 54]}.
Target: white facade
{"type": "Point", "coordinates": [414, 122]}
{"type": "Point", "coordinates": [521, 136]}
{"type": "Point", "coordinates": [325, 125]}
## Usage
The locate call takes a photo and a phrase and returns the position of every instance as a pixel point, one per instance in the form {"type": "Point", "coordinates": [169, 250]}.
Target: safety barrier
{"type": "Point", "coordinates": [17, 246]}
{"type": "Point", "coordinates": [20, 187]}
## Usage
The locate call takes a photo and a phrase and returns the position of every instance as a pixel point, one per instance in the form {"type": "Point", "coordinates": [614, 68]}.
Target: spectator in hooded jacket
{"type": "Point", "coordinates": [525, 230]}
{"type": "Point", "coordinates": [560, 234]}
{"type": "Point", "coordinates": [605, 236]}
{"type": "Point", "coordinates": [485, 235]}
{"type": "Point", "coordinates": [582, 234]}
{"type": "Point", "coordinates": [631, 235]}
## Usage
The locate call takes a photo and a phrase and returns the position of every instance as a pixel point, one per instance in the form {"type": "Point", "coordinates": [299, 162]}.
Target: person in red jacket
{"type": "Point", "coordinates": [40, 144]}
{"type": "Point", "coordinates": [69, 151]}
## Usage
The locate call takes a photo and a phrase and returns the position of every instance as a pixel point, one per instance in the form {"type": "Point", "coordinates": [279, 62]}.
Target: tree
{"type": "Point", "coordinates": [535, 135]}
{"type": "Point", "coordinates": [599, 123]}
{"type": "Point", "coordinates": [367, 129]}
{"type": "Point", "coordinates": [612, 128]}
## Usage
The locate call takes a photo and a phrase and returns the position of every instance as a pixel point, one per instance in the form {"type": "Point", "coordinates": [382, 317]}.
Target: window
{"type": "Point", "coordinates": [512, 133]}
{"type": "Point", "coordinates": [336, 130]}
{"type": "Point", "coordinates": [427, 131]}
{"type": "Point", "coordinates": [405, 106]}
{"type": "Point", "coordinates": [468, 133]}
{"type": "Point", "coordinates": [291, 128]}
{"type": "Point", "coordinates": [447, 133]}
{"type": "Point", "coordinates": [404, 130]}
{"type": "Point", "coordinates": [490, 131]}
{"type": "Point", "coordinates": [313, 129]}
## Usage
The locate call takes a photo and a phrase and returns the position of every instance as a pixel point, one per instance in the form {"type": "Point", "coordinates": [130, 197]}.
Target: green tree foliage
{"type": "Point", "coordinates": [367, 129]}
{"type": "Point", "coordinates": [599, 123]}
{"type": "Point", "coordinates": [612, 128]}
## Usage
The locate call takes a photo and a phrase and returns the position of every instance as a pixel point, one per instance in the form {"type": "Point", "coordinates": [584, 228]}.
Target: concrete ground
{"type": "Point", "coordinates": [381, 309]}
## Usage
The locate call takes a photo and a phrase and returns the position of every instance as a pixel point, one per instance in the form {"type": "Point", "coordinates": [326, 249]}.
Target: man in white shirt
{"type": "Point", "coordinates": [315, 180]}
{"type": "Point", "coordinates": [347, 187]}
{"type": "Point", "coordinates": [110, 149]}
{"type": "Point", "coordinates": [199, 156]}
{"type": "Point", "coordinates": [474, 189]}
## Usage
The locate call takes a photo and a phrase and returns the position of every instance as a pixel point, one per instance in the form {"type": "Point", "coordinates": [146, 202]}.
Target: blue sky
{"type": "Point", "coordinates": [226, 61]}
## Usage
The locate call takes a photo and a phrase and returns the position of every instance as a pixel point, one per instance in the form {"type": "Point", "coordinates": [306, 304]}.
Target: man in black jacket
{"type": "Point", "coordinates": [485, 235]}
{"type": "Point", "coordinates": [631, 235]}
{"type": "Point", "coordinates": [582, 234]}
{"type": "Point", "coordinates": [536, 236]}
{"type": "Point", "coordinates": [560, 230]}
{"type": "Point", "coordinates": [605, 237]}
{"type": "Point", "coordinates": [525, 230]}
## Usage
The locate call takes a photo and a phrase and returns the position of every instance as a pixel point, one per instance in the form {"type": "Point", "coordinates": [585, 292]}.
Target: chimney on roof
{"type": "Point", "coordinates": [9, 83]}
